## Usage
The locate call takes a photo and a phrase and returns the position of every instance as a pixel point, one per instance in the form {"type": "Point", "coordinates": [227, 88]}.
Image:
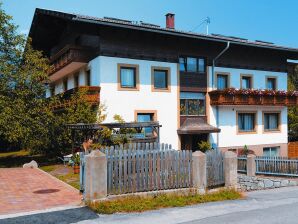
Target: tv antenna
{"type": "Point", "coordinates": [205, 21]}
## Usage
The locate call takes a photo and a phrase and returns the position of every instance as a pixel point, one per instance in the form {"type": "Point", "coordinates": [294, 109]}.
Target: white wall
{"type": "Point", "coordinates": [227, 114]}
{"type": "Point", "coordinates": [124, 103]}
{"type": "Point", "coordinates": [259, 77]}
{"type": "Point", "coordinates": [227, 123]}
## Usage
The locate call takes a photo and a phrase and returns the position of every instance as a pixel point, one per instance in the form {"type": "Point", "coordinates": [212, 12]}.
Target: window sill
{"type": "Point", "coordinates": [246, 132]}
{"type": "Point", "coordinates": [184, 115]}
{"type": "Point", "coordinates": [128, 89]}
{"type": "Point", "coordinates": [161, 89]}
{"type": "Point", "coordinates": [271, 131]}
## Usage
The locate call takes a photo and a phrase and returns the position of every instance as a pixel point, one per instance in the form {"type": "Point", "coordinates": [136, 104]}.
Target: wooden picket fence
{"type": "Point", "coordinates": [215, 168]}
{"type": "Point", "coordinates": [149, 167]}
{"type": "Point", "coordinates": [280, 166]}
{"type": "Point", "coordinates": [242, 164]}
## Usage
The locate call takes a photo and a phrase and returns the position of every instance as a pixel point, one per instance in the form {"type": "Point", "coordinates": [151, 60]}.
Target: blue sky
{"type": "Point", "coordinates": [269, 20]}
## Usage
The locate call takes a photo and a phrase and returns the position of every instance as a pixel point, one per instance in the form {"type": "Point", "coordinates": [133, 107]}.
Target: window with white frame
{"type": "Point", "coordinates": [128, 77]}
{"type": "Point", "coordinates": [271, 121]}
{"type": "Point", "coordinates": [246, 122]}
{"type": "Point", "coordinates": [192, 64]}
{"type": "Point", "coordinates": [271, 83]}
{"type": "Point", "coordinates": [222, 81]}
{"type": "Point", "coordinates": [271, 151]}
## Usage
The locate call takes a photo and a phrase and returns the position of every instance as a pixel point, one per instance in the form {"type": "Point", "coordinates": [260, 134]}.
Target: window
{"type": "Point", "coordinates": [65, 85]}
{"type": "Point", "coordinates": [192, 64]}
{"type": "Point", "coordinates": [271, 121]}
{"type": "Point", "coordinates": [160, 79]}
{"type": "Point", "coordinates": [246, 122]}
{"type": "Point", "coordinates": [222, 81]}
{"type": "Point", "coordinates": [127, 77]}
{"type": "Point", "coordinates": [76, 80]}
{"type": "Point", "coordinates": [146, 117]}
{"type": "Point", "coordinates": [192, 103]}
{"type": "Point", "coordinates": [246, 82]}
{"type": "Point", "coordinates": [88, 78]}
{"type": "Point", "coordinates": [271, 151]}
{"type": "Point", "coordinates": [271, 83]}
{"type": "Point", "coordinates": [182, 64]}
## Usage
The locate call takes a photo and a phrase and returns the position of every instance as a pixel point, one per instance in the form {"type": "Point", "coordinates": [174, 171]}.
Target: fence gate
{"type": "Point", "coordinates": [134, 170]}
{"type": "Point", "coordinates": [215, 168]}
{"type": "Point", "coordinates": [82, 171]}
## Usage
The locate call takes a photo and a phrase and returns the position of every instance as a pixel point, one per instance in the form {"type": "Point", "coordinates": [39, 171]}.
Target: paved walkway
{"type": "Point", "coordinates": [23, 190]}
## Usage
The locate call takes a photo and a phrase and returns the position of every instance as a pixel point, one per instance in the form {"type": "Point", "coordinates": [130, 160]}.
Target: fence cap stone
{"type": "Point", "coordinates": [251, 156]}
{"type": "Point", "coordinates": [96, 153]}
{"type": "Point", "coordinates": [230, 154]}
{"type": "Point", "coordinates": [198, 153]}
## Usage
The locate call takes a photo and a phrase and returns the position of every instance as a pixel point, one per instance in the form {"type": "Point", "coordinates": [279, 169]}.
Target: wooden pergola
{"type": "Point", "coordinates": [81, 131]}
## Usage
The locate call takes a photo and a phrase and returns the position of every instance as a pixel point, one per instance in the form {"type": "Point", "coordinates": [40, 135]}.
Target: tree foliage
{"type": "Point", "coordinates": [293, 111]}
{"type": "Point", "coordinates": [26, 118]}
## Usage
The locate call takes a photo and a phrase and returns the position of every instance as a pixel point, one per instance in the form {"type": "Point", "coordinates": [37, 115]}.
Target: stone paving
{"type": "Point", "coordinates": [23, 190]}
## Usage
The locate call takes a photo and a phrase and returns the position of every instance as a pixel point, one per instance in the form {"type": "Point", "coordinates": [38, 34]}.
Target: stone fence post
{"type": "Point", "coordinates": [96, 185]}
{"type": "Point", "coordinates": [251, 165]}
{"type": "Point", "coordinates": [230, 169]}
{"type": "Point", "coordinates": [199, 168]}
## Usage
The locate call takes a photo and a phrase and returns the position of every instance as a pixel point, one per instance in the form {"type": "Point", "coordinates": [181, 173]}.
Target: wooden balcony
{"type": "Point", "coordinates": [257, 97]}
{"type": "Point", "coordinates": [70, 54]}
{"type": "Point", "coordinates": [91, 95]}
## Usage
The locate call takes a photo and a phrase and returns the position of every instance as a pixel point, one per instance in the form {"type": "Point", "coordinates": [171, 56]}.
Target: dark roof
{"type": "Point", "coordinates": [196, 125]}
{"type": "Point", "coordinates": [153, 28]}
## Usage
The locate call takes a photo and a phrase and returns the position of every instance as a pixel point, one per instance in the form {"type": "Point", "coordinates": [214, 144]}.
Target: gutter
{"type": "Point", "coordinates": [213, 87]}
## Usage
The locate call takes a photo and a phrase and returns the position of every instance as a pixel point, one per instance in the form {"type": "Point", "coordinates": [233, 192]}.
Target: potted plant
{"type": "Point", "coordinates": [204, 146]}
{"type": "Point", "coordinates": [76, 163]}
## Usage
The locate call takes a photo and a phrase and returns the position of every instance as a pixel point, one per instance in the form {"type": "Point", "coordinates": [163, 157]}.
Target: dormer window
{"type": "Point", "coordinates": [192, 64]}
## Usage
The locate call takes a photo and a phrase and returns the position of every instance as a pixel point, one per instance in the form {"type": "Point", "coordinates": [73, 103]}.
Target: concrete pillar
{"type": "Point", "coordinates": [96, 184]}
{"type": "Point", "coordinates": [251, 165]}
{"type": "Point", "coordinates": [199, 175]}
{"type": "Point", "coordinates": [230, 169]}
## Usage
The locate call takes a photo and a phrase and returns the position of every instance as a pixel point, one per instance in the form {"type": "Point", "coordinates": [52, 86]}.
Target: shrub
{"type": "Point", "coordinates": [204, 146]}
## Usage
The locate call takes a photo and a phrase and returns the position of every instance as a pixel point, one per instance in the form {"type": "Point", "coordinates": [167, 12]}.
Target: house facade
{"type": "Point", "coordinates": [226, 90]}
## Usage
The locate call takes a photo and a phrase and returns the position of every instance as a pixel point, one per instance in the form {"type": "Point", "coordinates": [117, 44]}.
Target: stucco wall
{"type": "Point", "coordinates": [124, 103]}
{"type": "Point", "coordinates": [259, 77]}
{"type": "Point", "coordinates": [228, 137]}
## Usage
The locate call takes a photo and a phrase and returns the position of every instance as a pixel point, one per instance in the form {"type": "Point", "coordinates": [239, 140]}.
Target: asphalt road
{"type": "Point", "coordinates": [277, 206]}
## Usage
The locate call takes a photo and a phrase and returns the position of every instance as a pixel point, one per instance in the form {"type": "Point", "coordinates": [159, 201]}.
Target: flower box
{"type": "Point", "coordinates": [268, 100]}
{"type": "Point", "coordinates": [280, 100]}
{"type": "Point", "coordinates": [241, 99]}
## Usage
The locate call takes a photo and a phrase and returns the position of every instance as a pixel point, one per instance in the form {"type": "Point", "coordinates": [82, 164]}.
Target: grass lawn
{"type": "Point", "coordinates": [140, 204]}
{"type": "Point", "coordinates": [18, 158]}
{"type": "Point", "coordinates": [63, 173]}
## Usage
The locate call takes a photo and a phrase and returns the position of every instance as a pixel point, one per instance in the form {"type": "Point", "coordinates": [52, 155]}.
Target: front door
{"type": "Point", "coordinates": [190, 142]}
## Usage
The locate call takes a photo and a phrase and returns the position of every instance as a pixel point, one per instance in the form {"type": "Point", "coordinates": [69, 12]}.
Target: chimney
{"type": "Point", "coordinates": [170, 20]}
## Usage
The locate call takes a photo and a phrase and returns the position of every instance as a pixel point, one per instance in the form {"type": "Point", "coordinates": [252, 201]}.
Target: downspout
{"type": "Point", "coordinates": [213, 87]}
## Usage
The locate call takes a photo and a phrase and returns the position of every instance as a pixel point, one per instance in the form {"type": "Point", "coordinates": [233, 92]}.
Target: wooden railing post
{"type": "Point", "coordinates": [96, 184]}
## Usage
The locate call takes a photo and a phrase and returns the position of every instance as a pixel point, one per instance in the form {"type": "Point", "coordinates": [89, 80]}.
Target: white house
{"type": "Point", "coordinates": [199, 87]}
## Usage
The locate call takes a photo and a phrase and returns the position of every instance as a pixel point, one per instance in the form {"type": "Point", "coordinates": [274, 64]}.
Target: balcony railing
{"type": "Point", "coordinates": [70, 54]}
{"type": "Point", "coordinates": [91, 95]}
{"type": "Point", "coordinates": [253, 97]}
